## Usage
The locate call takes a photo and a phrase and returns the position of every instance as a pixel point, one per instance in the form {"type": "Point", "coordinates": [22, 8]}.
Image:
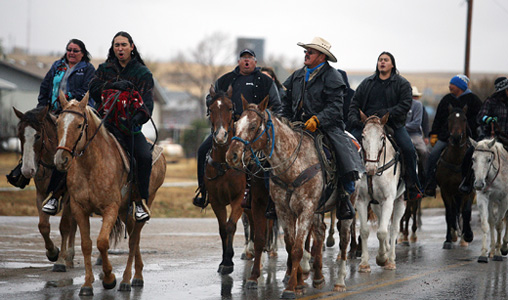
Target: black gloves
{"type": "Point", "coordinates": [381, 112]}
{"type": "Point", "coordinates": [122, 85]}
{"type": "Point", "coordinates": [138, 119]}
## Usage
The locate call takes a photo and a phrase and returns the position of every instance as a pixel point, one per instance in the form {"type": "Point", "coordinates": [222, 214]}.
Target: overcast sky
{"type": "Point", "coordinates": [423, 35]}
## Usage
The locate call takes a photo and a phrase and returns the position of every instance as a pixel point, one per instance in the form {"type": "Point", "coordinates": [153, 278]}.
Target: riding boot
{"type": "Point", "coordinates": [141, 211]}
{"type": "Point", "coordinates": [344, 209]}
{"type": "Point", "coordinates": [430, 189]}
{"type": "Point", "coordinates": [201, 198]}
{"type": "Point", "coordinates": [246, 202]}
{"type": "Point", "coordinates": [412, 193]}
{"type": "Point", "coordinates": [270, 213]}
{"type": "Point", "coordinates": [466, 186]}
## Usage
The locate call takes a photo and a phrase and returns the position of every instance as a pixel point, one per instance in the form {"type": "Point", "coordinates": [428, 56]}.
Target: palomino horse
{"type": "Point", "coordinates": [37, 133]}
{"type": "Point", "coordinates": [295, 181]}
{"type": "Point", "coordinates": [97, 181]}
{"type": "Point", "coordinates": [489, 161]}
{"type": "Point", "coordinates": [382, 188]}
{"type": "Point", "coordinates": [226, 186]}
{"type": "Point", "coordinates": [448, 177]}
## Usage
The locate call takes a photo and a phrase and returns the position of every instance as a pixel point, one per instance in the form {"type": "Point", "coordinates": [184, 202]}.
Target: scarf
{"type": "Point", "coordinates": [57, 78]}
{"type": "Point", "coordinates": [311, 70]}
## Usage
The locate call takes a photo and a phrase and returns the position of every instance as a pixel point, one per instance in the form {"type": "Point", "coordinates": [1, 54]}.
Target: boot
{"type": "Point", "coordinates": [141, 211]}
{"type": "Point", "coordinates": [466, 186]}
{"type": "Point", "coordinates": [51, 205]}
{"type": "Point", "coordinates": [344, 210]}
{"type": "Point", "coordinates": [413, 193]}
{"type": "Point", "coordinates": [200, 199]}
{"type": "Point", "coordinates": [270, 213]}
{"type": "Point", "coordinates": [430, 189]}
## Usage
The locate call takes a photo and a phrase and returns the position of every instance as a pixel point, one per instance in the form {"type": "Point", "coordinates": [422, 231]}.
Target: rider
{"type": "Point", "coordinates": [247, 80]}
{"type": "Point", "coordinates": [71, 74]}
{"type": "Point", "coordinates": [493, 113]}
{"type": "Point", "coordinates": [460, 95]}
{"type": "Point", "coordinates": [124, 70]}
{"type": "Point", "coordinates": [315, 95]}
{"type": "Point", "coordinates": [388, 92]}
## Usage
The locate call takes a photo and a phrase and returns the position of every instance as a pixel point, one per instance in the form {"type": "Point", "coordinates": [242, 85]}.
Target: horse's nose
{"type": "Point", "coordinates": [479, 185]}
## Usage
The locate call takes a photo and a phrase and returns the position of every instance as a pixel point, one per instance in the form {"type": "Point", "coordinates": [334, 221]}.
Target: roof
{"type": "Point", "coordinates": [7, 85]}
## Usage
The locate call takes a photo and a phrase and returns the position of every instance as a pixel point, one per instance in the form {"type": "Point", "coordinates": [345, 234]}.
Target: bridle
{"type": "Point", "coordinates": [382, 152]}
{"type": "Point", "coordinates": [83, 130]}
{"type": "Point", "coordinates": [491, 165]}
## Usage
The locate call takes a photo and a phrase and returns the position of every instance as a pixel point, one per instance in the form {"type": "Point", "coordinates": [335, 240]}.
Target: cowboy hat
{"type": "Point", "coordinates": [416, 93]}
{"type": "Point", "coordinates": [321, 45]}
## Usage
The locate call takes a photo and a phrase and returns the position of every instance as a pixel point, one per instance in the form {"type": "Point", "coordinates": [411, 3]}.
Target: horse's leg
{"type": "Point", "coordinates": [499, 231]}
{"type": "Point", "coordinates": [318, 233]}
{"type": "Point", "coordinates": [302, 225]}
{"type": "Point", "coordinates": [236, 213]}
{"type": "Point", "coordinates": [504, 247]}
{"type": "Point", "coordinates": [364, 235]}
{"type": "Point", "coordinates": [307, 256]}
{"type": "Point", "coordinates": [467, 233]}
{"type": "Point", "coordinates": [259, 232]}
{"type": "Point", "coordinates": [82, 219]}
{"type": "Point", "coordinates": [330, 241]}
{"type": "Point", "coordinates": [344, 234]}
{"type": "Point", "coordinates": [415, 208]}
{"type": "Point", "coordinates": [247, 231]}
{"type": "Point", "coordinates": [221, 214]}
{"type": "Point", "coordinates": [109, 216]}
{"type": "Point", "coordinates": [398, 211]}
{"type": "Point", "coordinates": [134, 228]}
{"type": "Point", "coordinates": [450, 218]}
{"type": "Point", "coordinates": [67, 230]}
{"type": "Point", "coordinates": [382, 231]}
{"type": "Point", "coordinates": [52, 252]}
{"type": "Point", "coordinates": [484, 218]}
{"type": "Point", "coordinates": [404, 232]}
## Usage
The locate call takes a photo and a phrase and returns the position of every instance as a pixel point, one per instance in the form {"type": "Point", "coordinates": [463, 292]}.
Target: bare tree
{"type": "Point", "coordinates": [200, 67]}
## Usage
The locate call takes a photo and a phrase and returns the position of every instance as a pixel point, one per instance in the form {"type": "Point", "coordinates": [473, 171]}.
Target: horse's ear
{"type": "Point", "coordinates": [42, 114]}
{"type": "Point", "coordinates": [491, 143]}
{"type": "Point", "coordinates": [62, 99]}
{"type": "Point", "coordinates": [212, 91]}
{"type": "Point", "coordinates": [244, 102]}
{"type": "Point", "coordinates": [384, 119]}
{"type": "Point", "coordinates": [18, 113]}
{"type": "Point", "coordinates": [84, 102]}
{"type": "Point", "coordinates": [229, 92]}
{"type": "Point", "coordinates": [363, 117]}
{"type": "Point", "coordinates": [473, 142]}
{"type": "Point", "coordinates": [262, 106]}
{"type": "Point", "coordinates": [465, 109]}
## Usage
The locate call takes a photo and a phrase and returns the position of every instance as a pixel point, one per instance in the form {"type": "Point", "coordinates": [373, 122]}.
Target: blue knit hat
{"type": "Point", "coordinates": [460, 81]}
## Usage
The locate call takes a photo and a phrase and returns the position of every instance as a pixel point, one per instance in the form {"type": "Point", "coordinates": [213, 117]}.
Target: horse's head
{"type": "Point", "coordinates": [457, 125]}
{"type": "Point", "coordinates": [250, 133]}
{"type": "Point", "coordinates": [221, 115]}
{"type": "Point", "coordinates": [485, 153]}
{"type": "Point", "coordinates": [37, 133]}
{"type": "Point", "coordinates": [72, 126]}
{"type": "Point", "coordinates": [373, 141]}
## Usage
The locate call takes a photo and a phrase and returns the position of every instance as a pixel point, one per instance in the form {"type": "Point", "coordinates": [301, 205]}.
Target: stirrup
{"type": "Point", "coordinates": [200, 198]}
{"type": "Point", "coordinates": [58, 205]}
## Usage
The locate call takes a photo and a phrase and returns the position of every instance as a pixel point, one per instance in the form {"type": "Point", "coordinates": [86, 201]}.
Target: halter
{"type": "Point", "coordinates": [491, 165]}
{"type": "Point", "coordinates": [83, 129]}
{"type": "Point", "coordinates": [385, 166]}
{"type": "Point", "coordinates": [268, 125]}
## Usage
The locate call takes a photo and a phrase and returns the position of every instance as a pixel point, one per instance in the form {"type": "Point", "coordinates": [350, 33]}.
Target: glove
{"type": "Point", "coordinates": [433, 139]}
{"type": "Point", "coordinates": [137, 119]}
{"type": "Point", "coordinates": [380, 113]}
{"type": "Point", "coordinates": [312, 124]}
{"type": "Point", "coordinates": [487, 119]}
{"type": "Point", "coordinates": [122, 85]}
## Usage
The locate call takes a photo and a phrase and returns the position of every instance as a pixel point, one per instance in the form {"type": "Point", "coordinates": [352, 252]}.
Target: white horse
{"type": "Point", "coordinates": [381, 188]}
{"type": "Point", "coordinates": [491, 173]}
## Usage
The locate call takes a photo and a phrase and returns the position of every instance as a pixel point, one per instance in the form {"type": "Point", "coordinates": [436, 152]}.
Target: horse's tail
{"type": "Point", "coordinates": [116, 233]}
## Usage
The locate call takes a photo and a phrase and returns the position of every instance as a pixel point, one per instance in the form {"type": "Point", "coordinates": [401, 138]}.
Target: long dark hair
{"type": "Point", "coordinates": [394, 70]}
{"type": "Point", "coordinates": [134, 54]}
{"type": "Point", "coordinates": [270, 71]}
{"type": "Point", "coordinates": [86, 55]}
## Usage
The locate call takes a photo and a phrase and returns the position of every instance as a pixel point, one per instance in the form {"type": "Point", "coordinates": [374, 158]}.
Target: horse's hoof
{"type": "Point", "coordinates": [330, 242]}
{"type": "Point", "coordinates": [504, 252]}
{"type": "Point", "coordinates": [54, 257]}
{"type": "Point", "coordinates": [339, 288]}
{"type": "Point", "coordinates": [381, 262]}
{"type": "Point", "coordinates": [300, 290]}
{"type": "Point", "coordinates": [390, 266]}
{"type": "Point", "coordinates": [405, 243]}
{"type": "Point", "coordinates": [497, 258]}
{"type": "Point", "coordinates": [468, 236]}
{"type": "Point", "coordinates": [86, 291]}
{"type": "Point", "coordinates": [109, 286]}
{"type": "Point", "coordinates": [225, 270]}
{"type": "Point", "coordinates": [483, 259]}
{"type": "Point", "coordinates": [59, 268]}
{"type": "Point", "coordinates": [364, 269]}
{"type": "Point", "coordinates": [413, 239]}
{"type": "Point", "coordinates": [447, 245]}
{"type": "Point", "coordinates": [98, 262]}
{"type": "Point", "coordinates": [358, 253]}
{"type": "Point", "coordinates": [288, 295]}
{"type": "Point", "coordinates": [251, 284]}
{"type": "Point", "coordinates": [137, 282]}
{"type": "Point", "coordinates": [124, 287]}
{"type": "Point", "coordinates": [318, 283]}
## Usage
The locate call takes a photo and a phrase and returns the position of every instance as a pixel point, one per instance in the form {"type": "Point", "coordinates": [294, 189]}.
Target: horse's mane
{"type": "Point", "coordinates": [31, 117]}
{"type": "Point", "coordinates": [94, 117]}
{"type": "Point", "coordinates": [219, 95]}
{"type": "Point", "coordinates": [373, 119]}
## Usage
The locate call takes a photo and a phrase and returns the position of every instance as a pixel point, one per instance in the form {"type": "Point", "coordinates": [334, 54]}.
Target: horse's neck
{"type": "Point", "coordinates": [50, 142]}
{"type": "Point", "coordinates": [99, 143]}
{"type": "Point", "coordinates": [218, 153]}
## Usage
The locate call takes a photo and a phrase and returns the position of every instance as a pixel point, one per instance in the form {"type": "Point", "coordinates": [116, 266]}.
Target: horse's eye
{"type": "Point", "coordinates": [80, 125]}
{"type": "Point", "coordinates": [37, 137]}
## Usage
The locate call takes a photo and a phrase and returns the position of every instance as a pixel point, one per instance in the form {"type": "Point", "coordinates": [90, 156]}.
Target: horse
{"type": "Point", "coordinates": [448, 177]}
{"type": "Point", "coordinates": [412, 211]}
{"type": "Point", "coordinates": [489, 160]}
{"type": "Point", "coordinates": [226, 186]}
{"type": "Point", "coordinates": [383, 188]}
{"type": "Point", "coordinates": [295, 174]}
{"type": "Point", "coordinates": [97, 182]}
{"type": "Point", "coordinates": [37, 133]}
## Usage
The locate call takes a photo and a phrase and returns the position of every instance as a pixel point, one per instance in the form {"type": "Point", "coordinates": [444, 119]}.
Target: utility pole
{"type": "Point", "coordinates": [468, 35]}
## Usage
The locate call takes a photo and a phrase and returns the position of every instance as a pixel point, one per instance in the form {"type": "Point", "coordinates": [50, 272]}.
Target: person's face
{"type": "Point", "coordinates": [122, 49]}
{"type": "Point", "coordinates": [247, 64]}
{"type": "Point", "coordinates": [74, 54]}
{"type": "Point", "coordinates": [385, 64]}
{"type": "Point", "coordinates": [313, 58]}
{"type": "Point", "coordinates": [454, 90]}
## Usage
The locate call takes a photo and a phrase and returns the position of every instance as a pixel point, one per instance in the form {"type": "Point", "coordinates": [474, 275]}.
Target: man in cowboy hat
{"type": "Point", "coordinates": [414, 128]}
{"type": "Point", "coordinates": [492, 115]}
{"type": "Point", "coordinates": [315, 95]}
{"type": "Point", "coordinates": [460, 95]}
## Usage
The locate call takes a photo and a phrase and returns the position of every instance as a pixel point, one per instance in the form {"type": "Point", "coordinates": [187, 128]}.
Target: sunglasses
{"type": "Point", "coordinates": [73, 50]}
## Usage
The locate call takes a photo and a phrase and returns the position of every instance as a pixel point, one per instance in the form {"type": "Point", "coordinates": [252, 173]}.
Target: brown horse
{"type": "Point", "coordinates": [448, 177]}
{"type": "Point", "coordinates": [226, 186]}
{"type": "Point", "coordinates": [37, 133]}
{"type": "Point", "coordinates": [290, 153]}
{"type": "Point", "coordinates": [97, 181]}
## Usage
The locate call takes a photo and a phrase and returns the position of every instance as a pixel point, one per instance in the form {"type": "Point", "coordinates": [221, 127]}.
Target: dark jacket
{"type": "Point", "coordinates": [440, 124]}
{"type": "Point", "coordinates": [135, 72]}
{"type": "Point", "coordinates": [398, 95]}
{"type": "Point", "coordinates": [323, 96]}
{"type": "Point", "coordinates": [77, 83]}
{"type": "Point", "coordinates": [496, 106]}
{"type": "Point", "coordinates": [263, 84]}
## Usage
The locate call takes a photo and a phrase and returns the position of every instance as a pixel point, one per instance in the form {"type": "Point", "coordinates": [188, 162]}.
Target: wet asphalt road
{"type": "Point", "coordinates": [181, 257]}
